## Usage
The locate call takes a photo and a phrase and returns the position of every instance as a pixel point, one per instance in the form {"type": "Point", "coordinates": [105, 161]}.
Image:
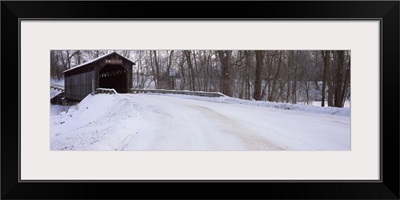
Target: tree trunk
{"type": "Point", "coordinates": [225, 58]}
{"type": "Point", "coordinates": [307, 92]}
{"type": "Point", "coordinates": [339, 79]}
{"type": "Point", "coordinates": [290, 83]}
{"type": "Point", "coordinates": [171, 53]}
{"type": "Point", "coordinates": [257, 82]}
{"type": "Point", "coordinates": [346, 83]}
{"type": "Point", "coordinates": [182, 70]}
{"type": "Point", "coordinates": [281, 89]}
{"type": "Point", "coordinates": [196, 69]}
{"type": "Point", "coordinates": [294, 88]}
{"type": "Point", "coordinates": [288, 91]}
{"type": "Point", "coordinates": [153, 69]}
{"type": "Point", "coordinates": [157, 68]}
{"type": "Point", "coordinates": [326, 57]}
{"type": "Point", "coordinates": [246, 74]}
{"type": "Point", "coordinates": [271, 97]}
{"type": "Point", "coordinates": [271, 60]}
{"type": "Point", "coordinates": [206, 71]}
{"type": "Point", "coordinates": [189, 63]}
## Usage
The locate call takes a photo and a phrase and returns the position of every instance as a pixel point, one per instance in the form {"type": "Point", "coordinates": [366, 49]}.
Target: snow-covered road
{"type": "Point", "coordinates": [170, 122]}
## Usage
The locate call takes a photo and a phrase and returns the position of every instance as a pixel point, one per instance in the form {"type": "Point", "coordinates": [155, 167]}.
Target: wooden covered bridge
{"type": "Point", "coordinates": [109, 71]}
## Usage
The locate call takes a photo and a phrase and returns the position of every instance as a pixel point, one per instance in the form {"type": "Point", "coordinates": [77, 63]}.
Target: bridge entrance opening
{"type": "Point", "coordinates": [113, 76]}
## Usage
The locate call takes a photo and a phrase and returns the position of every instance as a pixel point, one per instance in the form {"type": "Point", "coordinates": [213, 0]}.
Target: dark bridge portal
{"type": "Point", "coordinates": [108, 71]}
{"type": "Point", "coordinates": [113, 76]}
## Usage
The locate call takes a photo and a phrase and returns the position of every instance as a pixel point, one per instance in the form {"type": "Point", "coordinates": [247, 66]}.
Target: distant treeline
{"type": "Point", "coordinates": [270, 75]}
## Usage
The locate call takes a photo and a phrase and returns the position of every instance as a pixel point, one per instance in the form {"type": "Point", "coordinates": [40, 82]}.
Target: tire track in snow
{"type": "Point", "coordinates": [196, 127]}
{"type": "Point", "coordinates": [157, 122]}
{"type": "Point", "coordinates": [249, 139]}
{"type": "Point", "coordinates": [173, 126]}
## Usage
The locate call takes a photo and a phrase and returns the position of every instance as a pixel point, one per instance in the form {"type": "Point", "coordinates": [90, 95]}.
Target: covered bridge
{"type": "Point", "coordinates": [108, 71]}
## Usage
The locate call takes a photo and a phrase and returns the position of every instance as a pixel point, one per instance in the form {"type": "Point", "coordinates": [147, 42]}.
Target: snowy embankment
{"type": "Point", "coordinates": [57, 82]}
{"type": "Point", "coordinates": [178, 122]}
{"type": "Point", "coordinates": [54, 93]}
{"type": "Point", "coordinates": [56, 109]}
{"type": "Point", "coordinates": [285, 106]}
{"type": "Point", "coordinates": [96, 123]}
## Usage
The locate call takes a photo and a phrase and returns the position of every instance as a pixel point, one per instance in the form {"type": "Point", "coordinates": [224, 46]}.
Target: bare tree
{"type": "Point", "coordinates": [326, 56]}
{"type": "Point", "coordinates": [257, 82]}
{"type": "Point", "coordinates": [275, 78]}
{"type": "Point", "coordinates": [225, 59]}
{"type": "Point", "coordinates": [339, 79]}
{"type": "Point", "coordinates": [155, 67]}
{"type": "Point", "coordinates": [190, 66]}
{"type": "Point", "coordinates": [170, 59]}
{"type": "Point", "coordinates": [273, 75]}
{"type": "Point", "coordinates": [346, 86]}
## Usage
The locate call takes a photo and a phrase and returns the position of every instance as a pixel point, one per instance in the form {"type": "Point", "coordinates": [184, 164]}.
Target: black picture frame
{"type": "Point", "coordinates": [386, 11]}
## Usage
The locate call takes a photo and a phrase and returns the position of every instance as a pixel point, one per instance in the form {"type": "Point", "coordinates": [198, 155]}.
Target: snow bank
{"type": "Point", "coordinates": [54, 93]}
{"type": "Point", "coordinates": [284, 106]}
{"type": "Point", "coordinates": [94, 124]}
{"type": "Point", "coordinates": [182, 122]}
{"type": "Point", "coordinates": [57, 82]}
{"type": "Point", "coordinates": [318, 103]}
{"type": "Point", "coordinates": [57, 109]}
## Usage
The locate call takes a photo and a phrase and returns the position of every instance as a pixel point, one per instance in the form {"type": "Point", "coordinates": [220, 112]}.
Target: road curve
{"type": "Point", "coordinates": [184, 124]}
{"type": "Point", "coordinates": [175, 122]}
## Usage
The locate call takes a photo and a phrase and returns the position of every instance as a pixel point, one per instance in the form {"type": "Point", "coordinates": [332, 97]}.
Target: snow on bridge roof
{"type": "Point", "coordinates": [96, 59]}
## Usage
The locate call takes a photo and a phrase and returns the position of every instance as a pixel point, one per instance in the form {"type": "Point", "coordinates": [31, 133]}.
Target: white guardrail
{"type": "Point", "coordinates": [186, 92]}
{"type": "Point", "coordinates": [106, 91]}
{"type": "Point", "coordinates": [57, 88]}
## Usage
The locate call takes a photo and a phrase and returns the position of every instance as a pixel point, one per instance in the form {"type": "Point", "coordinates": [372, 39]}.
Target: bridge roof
{"type": "Point", "coordinates": [96, 59]}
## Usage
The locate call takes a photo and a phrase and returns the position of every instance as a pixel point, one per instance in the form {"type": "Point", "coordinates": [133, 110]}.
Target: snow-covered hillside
{"type": "Point", "coordinates": [177, 122]}
{"type": "Point", "coordinates": [285, 106]}
{"type": "Point", "coordinates": [57, 82]}
{"type": "Point", "coordinates": [54, 93]}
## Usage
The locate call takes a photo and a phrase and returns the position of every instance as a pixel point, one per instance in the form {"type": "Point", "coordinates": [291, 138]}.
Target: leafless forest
{"type": "Point", "coordinates": [299, 76]}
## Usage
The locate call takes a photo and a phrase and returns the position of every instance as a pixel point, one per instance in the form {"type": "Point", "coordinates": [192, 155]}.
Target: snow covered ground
{"type": "Point", "coordinates": [57, 82]}
{"type": "Point", "coordinates": [179, 122]}
{"type": "Point", "coordinates": [318, 104]}
{"type": "Point", "coordinates": [54, 93]}
{"type": "Point", "coordinates": [285, 106]}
